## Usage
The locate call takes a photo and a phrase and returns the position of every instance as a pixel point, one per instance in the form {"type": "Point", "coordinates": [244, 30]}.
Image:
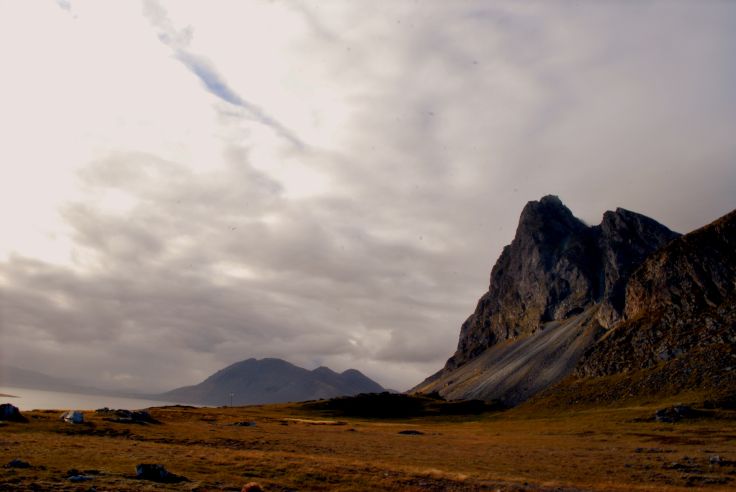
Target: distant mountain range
{"type": "Point", "coordinates": [623, 309]}
{"type": "Point", "coordinates": [250, 382]}
{"type": "Point", "coordinates": [24, 378]}
{"type": "Point", "coordinates": [271, 380]}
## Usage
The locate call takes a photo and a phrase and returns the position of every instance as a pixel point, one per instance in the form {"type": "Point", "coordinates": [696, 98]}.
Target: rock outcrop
{"type": "Point", "coordinates": [679, 322]}
{"type": "Point", "coordinates": [11, 413]}
{"type": "Point", "coordinates": [555, 269]}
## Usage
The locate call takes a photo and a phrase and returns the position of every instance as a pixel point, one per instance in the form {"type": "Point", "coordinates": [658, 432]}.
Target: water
{"type": "Point", "coordinates": [33, 399]}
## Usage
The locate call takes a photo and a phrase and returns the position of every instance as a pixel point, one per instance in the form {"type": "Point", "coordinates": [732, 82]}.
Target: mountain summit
{"type": "Point", "coordinates": [553, 291]}
{"type": "Point", "coordinates": [271, 380]}
{"type": "Point", "coordinates": [556, 267]}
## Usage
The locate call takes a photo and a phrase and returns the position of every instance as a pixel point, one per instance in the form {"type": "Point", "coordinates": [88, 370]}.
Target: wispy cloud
{"type": "Point", "coordinates": [211, 79]}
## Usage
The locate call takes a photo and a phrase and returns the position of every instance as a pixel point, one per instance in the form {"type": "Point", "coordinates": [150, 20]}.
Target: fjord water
{"type": "Point", "coordinates": [33, 399]}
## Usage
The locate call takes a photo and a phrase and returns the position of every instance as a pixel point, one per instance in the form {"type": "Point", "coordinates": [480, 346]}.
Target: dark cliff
{"type": "Point", "coordinates": [555, 268]}
{"type": "Point", "coordinates": [554, 292]}
{"type": "Point", "coordinates": [679, 321]}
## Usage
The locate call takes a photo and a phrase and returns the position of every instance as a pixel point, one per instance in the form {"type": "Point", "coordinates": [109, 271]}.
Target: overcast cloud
{"type": "Point", "coordinates": [189, 184]}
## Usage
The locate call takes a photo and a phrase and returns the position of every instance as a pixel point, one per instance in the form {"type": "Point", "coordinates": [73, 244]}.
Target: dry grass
{"type": "Point", "coordinates": [523, 449]}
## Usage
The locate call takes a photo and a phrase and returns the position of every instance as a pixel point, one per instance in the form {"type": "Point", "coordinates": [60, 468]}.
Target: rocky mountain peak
{"type": "Point", "coordinates": [580, 306]}
{"type": "Point", "coordinates": [546, 220]}
{"type": "Point", "coordinates": [624, 240]}
{"type": "Point", "coordinates": [557, 267]}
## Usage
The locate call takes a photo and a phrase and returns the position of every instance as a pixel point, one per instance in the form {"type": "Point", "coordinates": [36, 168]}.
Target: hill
{"type": "Point", "coordinates": [271, 380]}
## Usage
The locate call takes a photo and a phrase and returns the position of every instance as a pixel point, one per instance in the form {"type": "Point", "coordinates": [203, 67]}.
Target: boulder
{"type": "Point", "coordinates": [73, 417]}
{"type": "Point", "coordinates": [245, 423]}
{"type": "Point", "coordinates": [79, 478]}
{"type": "Point", "coordinates": [411, 432]}
{"type": "Point", "coordinates": [674, 414]}
{"type": "Point", "coordinates": [252, 487]}
{"type": "Point", "coordinates": [122, 416]}
{"type": "Point", "coordinates": [157, 473]}
{"type": "Point", "coordinates": [17, 464]}
{"type": "Point", "coordinates": [11, 413]}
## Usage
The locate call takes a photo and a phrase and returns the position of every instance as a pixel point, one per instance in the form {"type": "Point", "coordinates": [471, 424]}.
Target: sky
{"type": "Point", "coordinates": [184, 185]}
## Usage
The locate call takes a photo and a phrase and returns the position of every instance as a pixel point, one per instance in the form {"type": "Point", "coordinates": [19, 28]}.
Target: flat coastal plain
{"type": "Point", "coordinates": [286, 447]}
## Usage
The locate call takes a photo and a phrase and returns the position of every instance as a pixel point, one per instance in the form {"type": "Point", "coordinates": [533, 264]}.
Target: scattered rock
{"type": "Point", "coordinates": [686, 464]}
{"type": "Point", "coordinates": [651, 450]}
{"type": "Point", "coordinates": [243, 424]}
{"type": "Point", "coordinates": [17, 464]}
{"type": "Point", "coordinates": [726, 402]}
{"type": "Point", "coordinates": [411, 432]}
{"type": "Point", "coordinates": [718, 460]}
{"type": "Point", "coordinates": [157, 473]}
{"type": "Point", "coordinates": [675, 413]}
{"type": "Point", "coordinates": [122, 416]}
{"type": "Point", "coordinates": [79, 478]}
{"type": "Point", "coordinates": [73, 417]}
{"type": "Point", "coordinates": [252, 487]}
{"type": "Point", "coordinates": [11, 413]}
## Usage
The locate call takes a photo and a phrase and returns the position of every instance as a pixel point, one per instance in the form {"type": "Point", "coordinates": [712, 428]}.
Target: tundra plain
{"type": "Point", "coordinates": [292, 447]}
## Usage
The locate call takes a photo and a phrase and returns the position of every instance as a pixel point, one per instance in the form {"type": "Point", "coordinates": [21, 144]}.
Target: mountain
{"type": "Point", "coordinates": [554, 291]}
{"type": "Point", "coordinates": [255, 381]}
{"type": "Point", "coordinates": [678, 332]}
{"type": "Point", "coordinates": [24, 378]}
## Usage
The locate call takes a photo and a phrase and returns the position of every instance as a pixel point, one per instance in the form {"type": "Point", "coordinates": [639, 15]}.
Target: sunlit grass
{"type": "Point", "coordinates": [292, 448]}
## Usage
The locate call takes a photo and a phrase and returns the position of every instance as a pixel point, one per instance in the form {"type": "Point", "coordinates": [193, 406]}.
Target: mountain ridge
{"type": "Point", "coordinates": [557, 266]}
{"type": "Point", "coordinates": [29, 379]}
{"type": "Point", "coordinates": [271, 380]}
{"type": "Point", "coordinates": [556, 269]}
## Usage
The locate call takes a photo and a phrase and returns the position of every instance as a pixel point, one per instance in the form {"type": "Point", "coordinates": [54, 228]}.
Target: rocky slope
{"type": "Point", "coordinates": [555, 269]}
{"type": "Point", "coordinates": [271, 380]}
{"type": "Point", "coordinates": [514, 370]}
{"type": "Point", "coordinates": [679, 327]}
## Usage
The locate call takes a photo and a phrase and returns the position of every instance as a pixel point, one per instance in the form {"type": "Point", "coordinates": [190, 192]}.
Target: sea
{"type": "Point", "coordinates": [33, 399]}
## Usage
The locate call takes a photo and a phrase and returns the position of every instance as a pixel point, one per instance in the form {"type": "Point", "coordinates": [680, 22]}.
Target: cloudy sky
{"type": "Point", "coordinates": [188, 184]}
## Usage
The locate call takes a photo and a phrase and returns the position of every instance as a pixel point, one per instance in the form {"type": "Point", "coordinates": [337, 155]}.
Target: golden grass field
{"type": "Point", "coordinates": [289, 448]}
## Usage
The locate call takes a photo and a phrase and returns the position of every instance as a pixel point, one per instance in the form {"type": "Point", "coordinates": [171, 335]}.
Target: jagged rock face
{"type": "Point", "coordinates": [680, 303]}
{"type": "Point", "coordinates": [557, 267]}
{"type": "Point", "coordinates": [625, 239]}
{"type": "Point", "coordinates": [692, 274]}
